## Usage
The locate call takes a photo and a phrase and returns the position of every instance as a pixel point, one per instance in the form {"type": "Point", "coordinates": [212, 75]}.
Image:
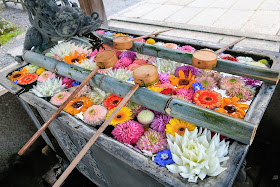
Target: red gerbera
{"type": "Point", "coordinates": [28, 79]}
{"type": "Point", "coordinates": [112, 101]}
{"type": "Point", "coordinates": [168, 91]}
{"type": "Point", "coordinates": [207, 98]}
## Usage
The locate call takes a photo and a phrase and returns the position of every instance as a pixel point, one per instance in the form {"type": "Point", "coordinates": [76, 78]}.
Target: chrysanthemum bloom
{"type": "Point", "coordinates": [150, 41]}
{"type": "Point", "coordinates": [228, 82]}
{"type": "Point", "coordinates": [141, 40]}
{"type": "Point", "coordinates": [132, 67]}
{"type": "Point", "coordinates": [178, 126]}
{"type": "Point", "coordinates": [251, 82]}
{"type": "Point", "coordinates": [152, 141]}
{"type": "Point", "coordinates": [164, 65]}
{"type": "Point", "coordinates": [159, 122]}
{"type": "Point", "coordinates": [228, 57]}
{"type": "Point", "coordinates": [188, 93]}
{"type": "Point", "coordinates": [166, 85]}
{"type": "Point", "coordinates": [123, 63]}
{"type": "Point", "coordinates": [121, 74]}
{"type": "Point", "coordinates": [100, 31]}
{"type": "Point", "coordinates": [164, 78]}
{"type": "Point", "coordinates": [128, 132]}
{"type": "Point", "coordinates": [155, 88]}
{"type": "Point", "coordinates": [168, 91]}
{"type": "Point", "coordinates": [128, 54]}
{"type": "Point", "coordinates": [77, 105]}
{"type": "Point", "coordinates": [145, 117]}
{"type": "Point", "coordinates": [97, 95]}
{"type": "Point", "coordinates": [210, 73]}
{"type": "Point", "coordinates": [135, 108]}
{"type": "Point", "coordinates": [82, 92]}
{"type": "Point", "coordinates": [45, 76]}
{"type": "Point", "coordinates": [187, 48]}
{"type": "Point", "coordinates": [28, 79]}
{"type": "Point", "coordinates": [68, 82]}
{"type": "Point", "coordinates": [186, 69]}
{"type": "Point", "coordinates": [170, 45]}
{"type": "Point", "coordinates": [164, 158]}
{"type": "Point", "coordinates": [59, 98]}
{"type": "Point", "coordinates": [94, 53]}
{"type": "Point", "coordinates": [74, 57]}
{"type": "Point", "coordinates": [244, 94]}
{"type": "Point", "coordinates": [207, 83]}
{"type": "Point", "coordinates": [207, 98]}
{"type": "Point", "coordinates": [17, 75]}
{"type": "Point", "coordinates": [230, 106]}
{"type": "Point", "coordinates": [48, 88]}
{"type": "Point", "coordinates": [60, 50]}
{"type": "Point", "coordinates": [31, 68]}
{"type": "Point", "coordinates": [86, 64]}
{"type": "Point", "coordinates": [112, 101]}
{"type": "Point", "coordinates": [196, 155]}
{"type": "Point", "coordinates": [122, 116]}
{"type": "Point", "coordinates": [182, 81]}
{"type": "Point", "coordinates": [139, 62]}
{"type": "Point", "coordinates": [95, 115]}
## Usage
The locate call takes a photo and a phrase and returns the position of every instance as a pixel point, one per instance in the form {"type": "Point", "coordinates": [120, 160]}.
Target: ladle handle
{"type": "Point", "coordinates": [94, 137]}
{"type": "Point", "coordinates": [229, 45]}
{"type": "Point", "coordinates": [48, 122]}
{"type": "Point", "coordinates": [148, 35]}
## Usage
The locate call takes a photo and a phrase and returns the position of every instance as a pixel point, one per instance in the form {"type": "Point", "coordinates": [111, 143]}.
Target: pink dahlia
{"type": "Point", "coordinates": [141, 40]}
{"type": "Point", "coordinates": [95, 115]}
{"type": "Point", "coordinates": [127, 54]}
{"type": "Point", "coordinates": [82, 92]}
{"type": "Point", "coordinates": [228, 82]}
{"type": "Point", "coordinates": [207, 83]}
{"type": "Point", "coordinates": [166, 85]}
{"type": "Point", "coordinates": [59, 98]}
{"type": "Point", "coordinates": [139, 62]}
{"type": "Point", "coordinates": [45, 76]}
{"type": "Point", "coordinates": [185, 93]}
{"type": "Point", "coordinates": [244, 94]}
{"type": "Point", "coordinates": [68, 82]}
{"type": "Point", "coordinates": [187, 48]}
{"type": "Point", "coordinates": [152, 141]}
{"type": "Point", "coordinates": [128, 132]}
{"type": "Point", "coordinates": [186, 69]}
{"type": "Point", "coordinates": [164, 78]}
{"type": "Point", "coordinates": [123, 63]}
{"type": "Point", "coordinates": [170, 45]}
{"type": "Point", "coordinates": [159, 122]}
{"type": "Point", "coordinates": [132, 67]}
{"type": "Point", "coordinates": [228, 57]}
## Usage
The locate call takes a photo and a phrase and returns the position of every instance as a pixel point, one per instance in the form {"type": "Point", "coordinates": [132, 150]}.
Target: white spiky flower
{"type": "Point", "coordinates": [60, 50]}
{"type": "Point", "coordinates": [48, 88]}
{"type": "Point", "coordinates": [165, 66]}
{"type": "Point", "coordinates": [141, 56]}
{"type": "Point", "coordinates": [121, 74]}
{"type": "Point", "coordinates": [97, 95]}
{"type": "Point", "coordinates": [196, 155]}
{"type": "Point", "coordinates": [31, 68]}
{"type": "Point", "coordinates": [86, 64]}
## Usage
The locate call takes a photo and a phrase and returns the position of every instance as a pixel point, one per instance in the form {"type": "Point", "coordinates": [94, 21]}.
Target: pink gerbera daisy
{"type": "Point", "coordinates": [59, 98]}
{"type": "Point", "coordinates": [132, 67]}
{"type": "Point", "coordinates": [170, 45]}
{"type": "Point", "coordinates": [95, 115]}
{"type": "Point", "coordinates": [228, 82]}
{"type": "Point", "coordinates": [207, 83]}
{"type": "Point", "coordinates": [185, 93]}
{"type": "Point", "coordinates": [45, 76]}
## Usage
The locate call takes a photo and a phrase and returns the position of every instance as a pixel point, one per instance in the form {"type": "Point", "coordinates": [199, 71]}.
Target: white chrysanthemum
{"type": "Point", "coordinates": [196, 155]}
{"type": "Point", "coordinates": [141, 56]}
{"type": "Point", "coordinates": [82, 49]}
{"type": "Point", "coordinates": [165, 66]}
{"type": "Point", "coordinates": [97, 95]}
{"type": "Point", "coordinates": [259, 64]}
{"type": "Point", "coordinates": [60, 50]}
{"type": "Point", "coordinates": [244, 59]}
{"type": "Point", "coordinates": [121, 74]}
{"type": "Point", "coordinates": [87, 64]}
{"type": "Point", "coordinates": [31, 68]}
{"type": "Point", "coordinates": [48, 88]}
{"type": "Point", "coordinates": [159, 44]}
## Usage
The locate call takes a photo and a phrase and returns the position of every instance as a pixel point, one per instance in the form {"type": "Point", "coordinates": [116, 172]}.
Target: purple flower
{"type": "Point", "coordinates": [164, 78]}
{"type": "Point", "coordinates": [195, 71]}
{"type": "Point", "coordinates": [252, 82]}
{"type": "Point", "coordinates": [128, 54]}
{"type": "Point", "coordinates": [159, 122]}
{"type": "Point", "coordinates": [164, 158]}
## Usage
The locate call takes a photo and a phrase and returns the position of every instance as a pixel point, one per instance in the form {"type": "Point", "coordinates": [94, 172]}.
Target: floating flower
{"type": "Point", "coordinates": [207, 98]}
{"type": "Point", "coordinates": [208, 83]}
{"type": "Point", "coordinates": [170, 45]}
{"type": "Point", "coordinates": [119, 34]}
{"type": "Point", "coordinates": [164, 158]}
{"type": "Point", "coordinates": [264, 61]}
{"type": "Point", "coordinates": [77, 105]}
{"type": "Point", "coordinates": [251, 82]}
{"type": "Point", "coordinates": [45, 76]}
{"type": "Point", "coordinates": [97, 95]}
{"type": "Point", "coordinates": [128, 132]}
{"type": "Point", "coordinates": [159, 122]}
{"type": "Point", "coordinates": [164, 65]}
{"type": "Point", "coordinates": [141, 40]}
{"type": "Point", "coordinates": [100, 31]}
{"type": "Point", "coordinates": [196, 155]}
{"type": "Point", "coordinates": [259, 64]}
{"type": "Point", "coordinates": [61, 50]}
{"type": "Point", "coordinates": [186, 69]}
{"type": "Point", "coordinates": [166, 85]}
{"type": "Point", "coordinates": [139, 62]}
{"type": "Point", "coordinates": [76, 83]}
{"type": "Point", "coordinates": [152, 141]}
{"type": "Point", "coordinates": [141, 56]}
{"type": "Point", "coordinates": [17, 75]}
{"type": "Point", "coordinates": [94, 53]}
{"type": "Point", "coordinates": [31, 68]}
{"type": "Point", "coordinates": [168, 91]}
{"type": "Point", "coordinates": [244, 94]}
{"type": "Point", "coordinates": [82, 92]}
{"type": "Point", "coordinates": [103, 71]}
{"type": "Point", "coordinates": [210, 73]}
{"type": "Point", "coordinates": [48, 88]}
{"type": "Point", "coordinates": [68, 82]}
{"type": "Point", "coordinates": [128, 54]}
{"type": "Point", "coordinates": [74, 57]}
{"type": "Point", "coordinates": [86, 64]}
{"type": "Point", "coordinates": [121, 74]}
{"type": "Point", "coordinates": [231, 107]}
{"type": "Point", "coordinates": [95, 115]}
{"type": "Point", "coordinates": [159, 44]}
{"type": "Point", "coordinates": [40, 71]}
{"type": "Point", "coordinates": [145, 117]}
{"type": "Point", "coordinates": [122, 116]}
{"type": "Point", "coordinates": [228, 82]}
{"type": "Point", "coordinates": [132, 67]}
{"type": "Point", "coordinates": [244, 59]}
{"type": "Point", "coordinates": [123, 63]}
{"type": "Point", "coordinates": [108, 33]}
{"type": "Point", "coordinates": [28, 79]}
{"type": "Point", "coordinates": [178, 126]}
{"type": "Point", "coordinates": [135, 108]}
{"type": "Point", "coordinates": [164, 78]}
{"type": "Point", "coordinates": [155, 88]}
{"type": "Point", "coordinates": [187, 48]}
{"type": "Point", "coordinates": [151, 41]}
{"type": "Point", "coordinates": [188, 93]}
{"type": "Point", "coordinates": [112, 101]}
{"type": "Point", "coordinates": [59, 98]}
{"type": "Point", "coordinates": [228, 57]}
{"type": "Point", "coordinates": [182, 81]}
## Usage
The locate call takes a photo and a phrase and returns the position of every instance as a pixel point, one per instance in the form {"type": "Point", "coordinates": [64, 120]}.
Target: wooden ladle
{"type": "Point", "coordinates": [104, 59]}
{"type": "Point", "coordinates": [146, 75]}
{"type": "Point", "coordinates": [207, 59]}
{"type": "Point", "coordinates": [126, 42]}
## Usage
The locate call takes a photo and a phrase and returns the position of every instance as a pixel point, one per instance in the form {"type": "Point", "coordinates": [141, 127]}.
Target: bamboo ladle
{"type": "Point", "coordinates": [104, 59]}
{"type": "Point", "coordinates": [207, 59]}
{"type": "Point", "coordinates": [144, 75]}
{"type": "Point", "coordinates": [126, 42]}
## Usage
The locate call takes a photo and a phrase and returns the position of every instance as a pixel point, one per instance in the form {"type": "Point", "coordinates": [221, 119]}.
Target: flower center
{"type": "Point", "coordinates": [17, 75]}
{"type": "Point", "coordinates": [60, 96]}
{"type": "Point", "coordinates": [119, 116]}
{"type": "Point", "coordinates": [240, 95]}
{"type": "Point", "coordinates": [115, 102]}
{"type": "Point", "coordinates": [92, 111]}
{"type": "Point", "coordinates": [230, 108]}
{"type": "Point", "coordinates": [45, 74]}
{"type": "Point", "coordinates": [181, 129]}
{"type": "Point", "coordinates": [204, 83]}
{"type": "Point", "coordinates": [208, 99]}
{"type": "Point", "coordinates": [184, 82]}
{"type": "Point", "coordinates": [75, 60]}
{"type": "Point", "coordinates": [232, 80]}
{"type": "Point", "coordinates": [152, 139]}
{"type": "Point", "coordinates": [164, 156]}
{"type": "Point", "coordinates": [77, 104]}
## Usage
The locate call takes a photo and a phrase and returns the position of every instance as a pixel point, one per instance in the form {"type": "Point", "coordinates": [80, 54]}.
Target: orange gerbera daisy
{"type": "Point", "coordinates": [231, 107]}
{"type": "Point", "coordinates": [17, 75]}
{"type": "Point", "coordinates": [77, 105]}
{"type": "Point", "coordinates": [28, 79]}
{"type": "Point", "coordinates": [207, 98]}
{"type": "Point", "coordinates": [182, 81]}
{"type": "Point", "coordinates": [74, 57]}
{"type": "Point", "coordinates": [119, 34]}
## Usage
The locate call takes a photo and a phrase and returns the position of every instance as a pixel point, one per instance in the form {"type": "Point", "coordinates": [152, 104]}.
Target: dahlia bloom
{"type": "Point", "coordinates": [188, 93]}
{"type": "Point", "coordinates": [82, 92]}
{"type": "Point", "coordinates": [164, 158]}
{"type": "Point", "coordinates": [48, 88]}
{"type": "Point", "coordinates": [186, 69]}
{"type": "Point", "coordinates": [244, 94]}
{"type": "Point", "coordinates": [164, 78]}
{"type": "Point", "coordinates": [159, 122]}
{"type": "Point", "coordinates": [123, 63]}
{"type": "Point", "coordinates": [68, 82]}
{"type": "Point", "coordinates": [95, 115]}
{"type": "Point", "coordinates": [187, 48]}
{"type": "Point", "coordinates": [128, 132]}
{"type": "Point", "coordinates": [208, 83]}
{"type": "Point", "coordinates": [164, 65]}
{"type": "Point", "coordinates": [45, 76]}
{"type": "Point", "coordinates": [59, 98]}
{"type": "Point", "coordinates": [170, 45]}
{"type": "Point", "coordinates": [196, 155]}
{"type": "Point", "coordinates": [160, 44]}
{"type": "Point", "coordinates": [97, 95]}
{"type": "Point", "coordinates": [228, 82]}
{"type": "Point", "coordinates": [86, 64]}
{"type": "Point", "coordinates": [121, 74]}
{"type": "Point", "coordinates": [128, 54]}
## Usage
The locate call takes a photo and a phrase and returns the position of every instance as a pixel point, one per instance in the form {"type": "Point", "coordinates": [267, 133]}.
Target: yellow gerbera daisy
{"type": "Point", "coordinates": [74, 57]}
{"type": "Point", "coordinates": [123, 116]}
{"type": "Point", "coordinates": [178, 126]}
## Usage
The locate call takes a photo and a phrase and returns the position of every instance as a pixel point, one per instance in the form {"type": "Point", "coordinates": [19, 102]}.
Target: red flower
{"type": "Point", "coordinates": [207, 98]}
{"type": "Point", "coordinates": [28, 79]}
{"type": "Point", "coordinates": [228, 57]}
{"type": "Point", "coordinates": [168, 91]}
{"type": "Point", "coordinates": [112, 101]}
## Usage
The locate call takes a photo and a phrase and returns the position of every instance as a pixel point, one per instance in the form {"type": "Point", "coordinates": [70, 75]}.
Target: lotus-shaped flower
{"type": "Point", "coordinates": [196, 155]}
{"type": "Point", "coordinates": [86, 64]}
{"type": "Point", "coordinates": [48, 88]}
{"type": "Point", "coordinates": [121, 74]}
{"type": "Point", "coordinates": [164, 65]}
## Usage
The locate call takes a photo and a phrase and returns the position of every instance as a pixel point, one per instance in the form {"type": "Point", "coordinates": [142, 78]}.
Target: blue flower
{"type": "Point", "coordinates": [164, 158]}
{"type": "Point", "coordinates": [108, 33]}
{"type": "Point", "coordinates": [16, 82]}
{"type": "Point", "coordinates": [76, 83]}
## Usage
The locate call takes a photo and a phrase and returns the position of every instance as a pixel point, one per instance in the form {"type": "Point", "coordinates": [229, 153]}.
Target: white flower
{"type": "Point", "coordinates": [86, 64]}
{"type": "Point", "coordinates": [60, 50]}
{"type": "Point", "coordinates": [159, 44]}
{"type": "Point", "coordinates": [97, 95]}
{"type": "Point", "coordinates": [165, 66]}
{"type": "Point", "coordinates": [48, 88]}
{"type": "Point", "coordinates": [31, 68]}
{"type": "Point", "coordinates": [259, 64]}
{"type": "Point", "coordinates": [121, 74]}
{"type": "Point", "coordinates": [196, 155]}
{"type": "Point", "coordinates": [244, 59]}
{"type": "Point", "coordinates": [141, 56]}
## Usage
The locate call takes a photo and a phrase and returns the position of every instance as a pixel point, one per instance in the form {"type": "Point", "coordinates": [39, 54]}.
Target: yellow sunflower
{"type": "Point", "coordinates": [74, 57]}
{"type": "Point", "coordinates": [178, 126]}
{"type": "Point", "coordinates": [182, 81]}
{"type": "Point", "coordinates": [122, 116]}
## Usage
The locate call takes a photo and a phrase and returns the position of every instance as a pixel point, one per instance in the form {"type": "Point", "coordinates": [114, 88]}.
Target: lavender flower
{"type": "Point", "coordinates": [252, 82]}
{"type": "Point", "coordinates": [159, 122]}
{"type": "Point", "coordinates": [164, 78]}
{"type": "Point", "coordinates": [128, 54]}
{"type": "Point", "coordinates": [195, 71]}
